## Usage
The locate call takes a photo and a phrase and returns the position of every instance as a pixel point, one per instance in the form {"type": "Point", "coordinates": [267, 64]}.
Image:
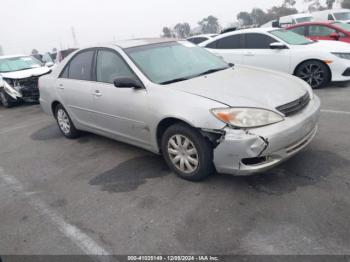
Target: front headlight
{"type": "Point", "coordinates": [247, 117]}
{"type": "Point", "coordinates": [342, 55]}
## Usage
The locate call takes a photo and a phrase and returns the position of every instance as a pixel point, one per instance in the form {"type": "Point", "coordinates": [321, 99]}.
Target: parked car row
{"type": "Point", "coordinates": [335, 15]}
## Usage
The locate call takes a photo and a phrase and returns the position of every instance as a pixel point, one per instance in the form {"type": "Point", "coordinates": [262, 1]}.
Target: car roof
{"type": "Point", "coordinates": [142, 41]}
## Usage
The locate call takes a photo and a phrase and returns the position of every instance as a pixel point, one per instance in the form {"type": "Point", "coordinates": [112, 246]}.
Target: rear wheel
{"type": "Point", "coordinates": [65, 124]}
{"type": "Point", "coordinates": [187, 152]}
{"type": "Point", "coordinates": [5, 100]}
{"type": "Point", "coordinates": [315, 73]}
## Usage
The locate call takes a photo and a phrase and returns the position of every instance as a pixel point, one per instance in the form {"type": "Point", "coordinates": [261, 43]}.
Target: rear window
{"type": "Point", "coordinates": [343, 26]}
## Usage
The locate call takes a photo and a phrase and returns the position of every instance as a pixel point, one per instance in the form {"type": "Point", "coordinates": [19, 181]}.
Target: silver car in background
{"type": "Point", "coordinates": [177, 99]}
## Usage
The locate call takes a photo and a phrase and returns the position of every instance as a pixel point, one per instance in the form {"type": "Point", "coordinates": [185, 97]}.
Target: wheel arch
{"type": "Point", "coordinates": [54, 104]}
{"type": "Point", "coordinates": [164, 124]}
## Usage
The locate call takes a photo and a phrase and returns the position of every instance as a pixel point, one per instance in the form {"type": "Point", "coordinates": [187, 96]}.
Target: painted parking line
{"type": "Point", "coordinates": [335, 112]}
{"type": "Point", "coordinates": [82, 240]}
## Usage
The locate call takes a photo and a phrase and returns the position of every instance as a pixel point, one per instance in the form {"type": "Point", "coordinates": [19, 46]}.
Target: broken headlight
{"type": "Point", "coordinates": [247, 117]}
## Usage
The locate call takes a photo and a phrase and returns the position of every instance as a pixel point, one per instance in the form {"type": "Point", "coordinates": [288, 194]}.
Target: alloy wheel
{"type": "Point", "coordinates": [313, 74]}
{"type": "Point", "coordinates": [63, 121]}
{"type": "Point", "coordinates": [183, 153]}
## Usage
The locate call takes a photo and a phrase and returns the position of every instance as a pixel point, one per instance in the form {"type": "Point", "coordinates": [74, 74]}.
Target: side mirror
{"type": "Point", "coordinates": [128, 82]}
{"type": "Point", "coordinates": [278, 45]}
{"type": "Point", "coordinates": [49, 64]}
{"type": "Point", "coordinates": [334, 36]}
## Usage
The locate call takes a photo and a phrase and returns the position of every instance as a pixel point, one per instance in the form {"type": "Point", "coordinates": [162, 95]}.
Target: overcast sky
{"type": "Point", "coordinates": [44, 24]}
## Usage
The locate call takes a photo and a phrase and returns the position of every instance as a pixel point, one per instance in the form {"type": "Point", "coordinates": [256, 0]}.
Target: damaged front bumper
{"type": "Point", "coordinates": [246, 152]}
{"type": "Point", "coordinates": [25, 90]}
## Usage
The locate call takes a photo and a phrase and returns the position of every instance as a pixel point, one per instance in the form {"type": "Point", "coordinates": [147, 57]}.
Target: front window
{"type": "Point", "coordinates": [290, 37]}
{"type": "Point", "coordinates": [342, 16]}
{"type": "Point", "coordinates": [304, 19]}
{"type": "Point", "coordinates": [174, 61]}
{"type": "Point", "coordinates": [18, 64]}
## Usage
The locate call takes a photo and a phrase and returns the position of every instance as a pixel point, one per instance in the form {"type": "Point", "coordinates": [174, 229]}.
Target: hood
{"type": "Point", "coordinates": [26, 73]}
{"type": "Point", "coordinates": [327, 45]}
{"type": "Point", "coordinates": [246, 86]}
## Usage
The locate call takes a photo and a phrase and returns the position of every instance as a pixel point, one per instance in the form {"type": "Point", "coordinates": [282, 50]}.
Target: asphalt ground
{"type": "Point", "coordinates": [94, 195]}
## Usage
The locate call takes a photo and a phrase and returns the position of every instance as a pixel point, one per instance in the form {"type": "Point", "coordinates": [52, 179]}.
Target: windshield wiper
{"type": "Point", "coordinates": [175, 80]}
{"type": "Point", "coordinates": [210, 71]}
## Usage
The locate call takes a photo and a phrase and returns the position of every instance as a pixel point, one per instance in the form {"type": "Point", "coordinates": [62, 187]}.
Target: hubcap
{"type": "Point", "coordinates": [312, 74]}
{"type": "Point", "coordinates": [183, 154]}
{"type": "Point", "coordinates": [63, 121]}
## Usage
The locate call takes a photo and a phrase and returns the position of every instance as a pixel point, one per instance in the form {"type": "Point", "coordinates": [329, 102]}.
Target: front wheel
{"type": "Point", "coordinates": [187, 152]}
{"type": "Point", "coordinates": [5, 100]}
{"type": "Point", "coordinates": [315, 73]}
{"type": "Point", "coordinates": [65, 124]}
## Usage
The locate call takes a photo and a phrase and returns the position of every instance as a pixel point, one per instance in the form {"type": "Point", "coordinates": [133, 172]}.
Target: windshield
{"type": "Point", "coordinates": [304, 19]}
{"type": "Point", "coordinates": [175, 61]}
{"type": "Point", "coordinates": [343, 26]}
{"type": "Point", "coordinates": [290, 37]}
{"type": "Point", "coordinates": [18, 63]}
{"type": "Point", "coordinates": [342, 16]}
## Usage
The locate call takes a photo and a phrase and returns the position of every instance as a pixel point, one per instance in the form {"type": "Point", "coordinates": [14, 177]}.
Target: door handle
{"type": "Point", "coordinates": [97, 93]}
{"type": "Point", "coordinates": [60, 86]}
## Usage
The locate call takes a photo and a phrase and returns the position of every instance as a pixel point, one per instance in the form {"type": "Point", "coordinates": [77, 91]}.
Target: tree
{"type": "Point", "coordinates": [244, 18]}
{"type": "Point", "coordinates": [209, 25]}
{"type": "Point", "coordinates": [167, 32]}
{"type": "Point", "coordinates": [279, 11]}
{"type": "Point", "coordinates": [330, 3]}
{"type": "Point", "coordinates": [182, 30]}
{"type": "Point", "coordinates": [315, 5]}
{"type": "Point", "coordinates": [1, 50]}
{"type": "Point", "coordinates": [258, 16]}
{"type": "Point", "coordinates": [289, 3]}
{"type": "Point", "coordinates": [345, 4]}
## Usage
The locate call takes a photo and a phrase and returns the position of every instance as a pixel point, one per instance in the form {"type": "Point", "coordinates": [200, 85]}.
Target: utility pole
{"type": "Point", "coordinates": [75, 42]}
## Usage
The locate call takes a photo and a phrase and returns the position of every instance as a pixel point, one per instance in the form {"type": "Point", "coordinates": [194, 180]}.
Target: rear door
{"type": "Point", "coordinates": [229, 48]}
{"type": "Point", "coordinates": [257, 52]}
{"type": "Point", "coordinates": [74, 87]}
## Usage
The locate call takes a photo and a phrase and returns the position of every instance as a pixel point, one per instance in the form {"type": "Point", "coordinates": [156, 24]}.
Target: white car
{"type": "Point", "coordinates": [290, 20]}
{"type": "Point", "coordinates": [19, 76]}
{"type": "Point", "coordinates": [317, 63]}
{"type": "Point", "coordinates": [340, 15]}
{"type": "Point", "coordinates": [197, 39]}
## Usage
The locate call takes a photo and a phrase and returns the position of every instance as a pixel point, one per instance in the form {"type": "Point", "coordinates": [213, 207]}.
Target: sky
{"type": "Point", "coordinates": [45, 24]}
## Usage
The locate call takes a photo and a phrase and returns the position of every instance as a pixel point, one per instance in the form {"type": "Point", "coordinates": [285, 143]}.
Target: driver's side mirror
{"type": "Point", "coordinates": [128, 82]}
{"type": "Point", "coordinates": [278, 45]}
{"type": "Point", "coordinates": [334, 36]}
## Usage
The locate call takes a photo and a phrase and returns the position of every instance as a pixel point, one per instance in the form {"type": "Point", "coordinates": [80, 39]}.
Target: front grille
{"type": "Point", "coordinates": [295, 106]}
{"type": "Point", "coordinates": [29, 88]}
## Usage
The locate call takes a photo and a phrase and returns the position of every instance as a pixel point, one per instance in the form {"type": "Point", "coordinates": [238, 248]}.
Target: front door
{"type": "Point", "coordinates": [119, 111]}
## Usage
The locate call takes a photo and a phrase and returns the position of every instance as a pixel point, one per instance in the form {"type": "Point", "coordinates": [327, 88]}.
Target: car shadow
{"type": "Point", "coordinates": [131, 174]}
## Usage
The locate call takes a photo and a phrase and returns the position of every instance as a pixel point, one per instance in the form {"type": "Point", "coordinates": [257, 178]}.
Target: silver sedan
{"type": "Point", "coordinates": [176, 99]}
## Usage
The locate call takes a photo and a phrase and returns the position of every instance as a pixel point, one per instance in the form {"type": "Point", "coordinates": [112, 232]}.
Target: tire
{"type": "Point", "coordinates": [5, 100]}
{"type": "Point", "coordinates": [65, 123]}
{"type": "Point", "coordinates": [315, 73]}
{"type": "Point", "coordinates": [187, 152]}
